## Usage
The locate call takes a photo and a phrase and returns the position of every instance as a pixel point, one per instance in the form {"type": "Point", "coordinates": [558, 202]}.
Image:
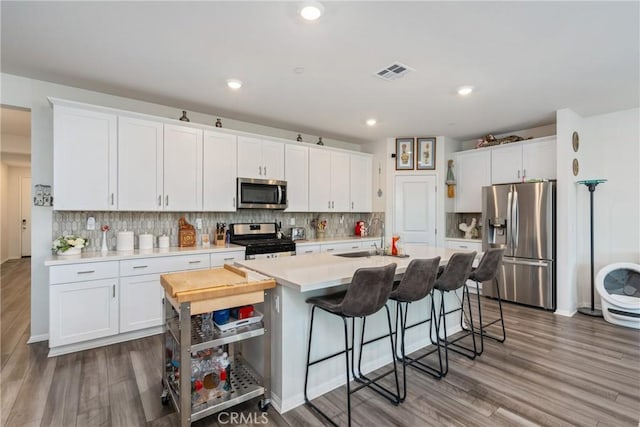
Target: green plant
{"type": "Point", "coordinates": [64, 243]}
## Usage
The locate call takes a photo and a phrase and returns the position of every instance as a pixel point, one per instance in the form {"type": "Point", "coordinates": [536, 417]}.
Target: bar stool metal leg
{"type": "Point", "coordinates": [372, 382]}
{"type": "Point", "coordinates": [482, 332]}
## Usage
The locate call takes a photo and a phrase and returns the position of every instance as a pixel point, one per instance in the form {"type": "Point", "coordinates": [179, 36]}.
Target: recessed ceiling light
{"type": "Point", "coordinates": [465, 90]}
{"type": "Point", "coordinates": [311, 10]}
{"type": "Point", "coordinates": [371, 122]}
{"type": "Point", "coordinates": [234, 84]}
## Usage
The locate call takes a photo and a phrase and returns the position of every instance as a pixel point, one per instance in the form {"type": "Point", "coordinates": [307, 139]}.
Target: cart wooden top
{"type": "Point", "coordinates": [214, 283]}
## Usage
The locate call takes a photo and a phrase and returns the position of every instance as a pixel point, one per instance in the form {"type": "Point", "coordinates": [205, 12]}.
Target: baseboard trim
{"type": "Point", "coordinates": [566, 313]}
{"type": "Point", "coordinates": [37, 338]}
{"type": "Point", "coordinates": [100, 342]}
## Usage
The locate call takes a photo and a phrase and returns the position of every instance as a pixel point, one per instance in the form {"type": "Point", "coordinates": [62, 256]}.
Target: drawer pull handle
{"type": "Point", "coordinates": [464, 247]}
{"type": "Point", "coordinates": [140, 266]}
{"type": "Point", "coordinates": [308, 252]}
{"type": "Point", "coordinates": [229, 259]}
{"type": "Point", "coordinates": [86, 272]}
{"type": "Point", "coordinates": [355, 247]}
{"type": "Point", "coordinates": [195, 262]}
{"type": "Point", "coordinates": [329, 250]}
{"type": "Point", "coordinates": [114, 291]}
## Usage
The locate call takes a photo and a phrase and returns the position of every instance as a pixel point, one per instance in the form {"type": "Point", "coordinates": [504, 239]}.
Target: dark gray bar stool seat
{"type": "Point", "coordinates": [452, 278]}
{"type": "Point", "coordinates": [366, 295]}
{"type": "Point", "coordinates": [487, 271]}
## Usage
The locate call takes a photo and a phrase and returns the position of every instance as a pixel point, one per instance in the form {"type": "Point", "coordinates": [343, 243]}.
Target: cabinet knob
{"type": "Point", "coordinates": [234, 202]}
{"type": "Point", "coordinates": [159, 200]}
{"type": "Point", "coordinates": [166, 200]}
{"type": "Point", "coordinates": [260, 170]}
{"type": "Point", "coordinates": [112, 199]}
{"type": "Point", "coordinates": [265, 171]}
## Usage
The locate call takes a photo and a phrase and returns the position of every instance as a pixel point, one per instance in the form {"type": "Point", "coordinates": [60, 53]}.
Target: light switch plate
{"type": "Point", "coordinates": [91, 223]}
{"type": "Point", "coordinates": [199, 223]}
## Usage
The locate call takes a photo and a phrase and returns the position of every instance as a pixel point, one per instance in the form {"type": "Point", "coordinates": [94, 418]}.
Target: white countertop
{"type": "Point", "coordinates": [319, 271]}
{"type": "Point", "coordinates": [331, 240]}
{"type": "Point", "coordinates": [98, 256]}
{"type": "Point", "coordinates": [462, 239]}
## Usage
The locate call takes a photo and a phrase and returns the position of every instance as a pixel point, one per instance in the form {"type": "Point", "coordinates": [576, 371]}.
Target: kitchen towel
{"type": "Point", "coordinates": [145, 241]}
{"type": "Point", "coordinates": [124, 241]}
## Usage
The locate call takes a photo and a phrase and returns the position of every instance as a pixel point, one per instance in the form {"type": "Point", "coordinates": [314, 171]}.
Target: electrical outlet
{"type": "Point", "coordinates": [341, 219]}
{"type": "Point", "coordinates": [292, 221]}
{"type": "Point", "coordinates": [91, 223]}
{"type": "Point", "coordinates": [199, 223]}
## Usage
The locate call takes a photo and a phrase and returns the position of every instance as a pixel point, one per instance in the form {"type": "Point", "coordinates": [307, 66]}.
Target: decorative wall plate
{"type": "Point", "coordinates": [575, 141]}
{"type": "Point", "coordinates": [576, 167]}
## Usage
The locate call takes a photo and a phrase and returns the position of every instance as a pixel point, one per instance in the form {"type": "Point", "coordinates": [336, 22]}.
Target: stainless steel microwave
{"type": "Point", "coordinates": [262, 194]}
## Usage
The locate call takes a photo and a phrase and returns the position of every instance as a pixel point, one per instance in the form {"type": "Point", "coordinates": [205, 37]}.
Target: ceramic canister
{"type": "Point", "coordinates": [124, 241]}
{"type": "Point", "coordinates": [145, 241]}
{"type": "Point", "coordinates": [163, 241]}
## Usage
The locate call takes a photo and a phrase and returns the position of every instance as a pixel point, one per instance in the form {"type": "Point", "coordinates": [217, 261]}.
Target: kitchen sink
{"type": "Point", "coordinates": [360, 254]}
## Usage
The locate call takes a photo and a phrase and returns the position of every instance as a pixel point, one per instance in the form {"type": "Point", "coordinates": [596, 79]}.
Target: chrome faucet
{"type": "Point", "coordinates": [371, 222]}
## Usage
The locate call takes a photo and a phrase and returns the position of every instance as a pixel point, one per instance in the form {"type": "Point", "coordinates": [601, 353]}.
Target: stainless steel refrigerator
{"type": "Point", "coordinates": [521, 218]}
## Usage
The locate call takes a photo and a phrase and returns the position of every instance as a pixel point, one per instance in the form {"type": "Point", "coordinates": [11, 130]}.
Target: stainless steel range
{"type": "Point", "coordinates": [261, 240]}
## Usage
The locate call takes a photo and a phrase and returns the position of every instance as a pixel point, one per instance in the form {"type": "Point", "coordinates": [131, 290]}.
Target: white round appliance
{"type": "Point", "coordinates": [619, 287]}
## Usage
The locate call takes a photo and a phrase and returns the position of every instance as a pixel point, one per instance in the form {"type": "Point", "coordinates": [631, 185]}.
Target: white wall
{"type": "Point", "coordinates": [566, 239]}
{"type": "Point", "coordinates": [27, 93]}
{"type": "Point", "coordinates": [380, 168]}
{"type": "Point", "coordinates": [4, 212]}
{"type": "Point", "coordinates": [610, 150]}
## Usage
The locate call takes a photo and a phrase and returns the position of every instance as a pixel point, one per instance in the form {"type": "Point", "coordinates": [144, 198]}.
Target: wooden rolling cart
{"type": "Point", "coordinates": [192, 293]}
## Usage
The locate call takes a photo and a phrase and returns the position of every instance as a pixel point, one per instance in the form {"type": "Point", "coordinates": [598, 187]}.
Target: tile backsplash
{"type": "Point", "coordinates": [158, 223]}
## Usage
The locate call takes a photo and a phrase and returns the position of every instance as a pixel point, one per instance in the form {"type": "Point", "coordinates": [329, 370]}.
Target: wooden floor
{"type": "Point", "coordinates": [552, 370]}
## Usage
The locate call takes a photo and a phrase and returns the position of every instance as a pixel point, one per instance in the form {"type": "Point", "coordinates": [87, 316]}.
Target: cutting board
{"type": "Point", "coordinates": [211, 284]}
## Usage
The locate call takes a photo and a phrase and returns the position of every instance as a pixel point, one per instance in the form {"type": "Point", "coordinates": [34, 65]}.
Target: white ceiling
{"type": "Point", "coordinates": [526, 60]}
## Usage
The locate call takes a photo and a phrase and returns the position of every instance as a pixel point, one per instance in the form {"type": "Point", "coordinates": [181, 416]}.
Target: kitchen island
{"type": "Point", "coordinates": [301, 277]}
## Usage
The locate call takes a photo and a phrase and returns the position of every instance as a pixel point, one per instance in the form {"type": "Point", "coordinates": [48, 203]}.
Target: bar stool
{"type": "Point", "coordinates": [452, 278]}
{"type": "Point", "coordinates": [486, 271]}
{"type": "Point", "coordinates": [367, 294]}
{"type": "Point", "coordinates": [418, 282]}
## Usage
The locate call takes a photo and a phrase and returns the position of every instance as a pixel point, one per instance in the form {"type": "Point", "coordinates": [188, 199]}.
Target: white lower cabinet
{"type": "Point", "coordinates": [140, 302]}
{"type": "Point", "coordinates": [83, 311]}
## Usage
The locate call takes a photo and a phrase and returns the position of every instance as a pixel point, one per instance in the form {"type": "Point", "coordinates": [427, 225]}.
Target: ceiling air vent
{"type": "Point", "coordinates": [393, 71]}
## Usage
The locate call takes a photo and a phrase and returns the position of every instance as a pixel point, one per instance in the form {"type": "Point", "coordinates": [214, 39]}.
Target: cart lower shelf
{"type": "Point", "coordinates": [245, 385]}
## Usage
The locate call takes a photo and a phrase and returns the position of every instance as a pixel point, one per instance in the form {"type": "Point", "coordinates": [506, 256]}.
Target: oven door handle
{"type": "Point", "coordinates": [279, 194]}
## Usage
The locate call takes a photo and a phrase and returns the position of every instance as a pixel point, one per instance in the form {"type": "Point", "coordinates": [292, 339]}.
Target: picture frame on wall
{"type": "Point", "coordinates": [426, 153]}
{"type": "Point", "coordinates": [404, 154]}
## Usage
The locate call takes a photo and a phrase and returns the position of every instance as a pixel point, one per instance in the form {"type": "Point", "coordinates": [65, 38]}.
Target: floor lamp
{"type": "Point", "coordinates": [591, 185]}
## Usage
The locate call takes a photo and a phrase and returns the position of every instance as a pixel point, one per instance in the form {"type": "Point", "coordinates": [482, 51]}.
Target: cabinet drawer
{"type": "Point", "coordinates": [135, 267]}
{"type": "Point", "coordinates": [462, 245]}
{"type": "Point", "coordinates": [341, 247]}
{"type": "Point", "coordinates": [82, 272]}
{"type": "Point", "coordinates": [221, 258]}
{"type": "Point", "coordinates": [307, 249]}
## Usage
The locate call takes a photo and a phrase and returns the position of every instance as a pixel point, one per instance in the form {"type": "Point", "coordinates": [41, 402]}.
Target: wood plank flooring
{"type": "Point", "coordinates": [551, 371]}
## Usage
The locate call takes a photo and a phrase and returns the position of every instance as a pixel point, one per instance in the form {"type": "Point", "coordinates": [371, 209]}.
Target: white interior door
{"type": "Point", "coordinates": [25, 215]}
{"type": "Point", "coordinates": [415, 210]}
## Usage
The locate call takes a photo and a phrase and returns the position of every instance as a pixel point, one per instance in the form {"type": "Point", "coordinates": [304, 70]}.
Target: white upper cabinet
{"type": "Point", "coordinates": [361, 183]}
{"type": "Point", "coordinates": [539, 159]}
{"type": "Point", "coordinates": [140, 165]}
{"type": "Point", "coordinates": [506, 164]}
{"type": "Point", "coordinates": [259, 158]}
{"type": "Point", "coordinates": [219, 172]}
{"type": "Point", "coordinates": [517, 162]}
{"type": "Point", "coordinates": [296, 173]}
{"type": "Point", "coordinates": [473, 171]}
{"type": "Point", "coordinates": [329, 181]}
{"type": "Point", "coordinates": [182, 168]}
{"type": "Point", "coordinates": [84, 159]}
